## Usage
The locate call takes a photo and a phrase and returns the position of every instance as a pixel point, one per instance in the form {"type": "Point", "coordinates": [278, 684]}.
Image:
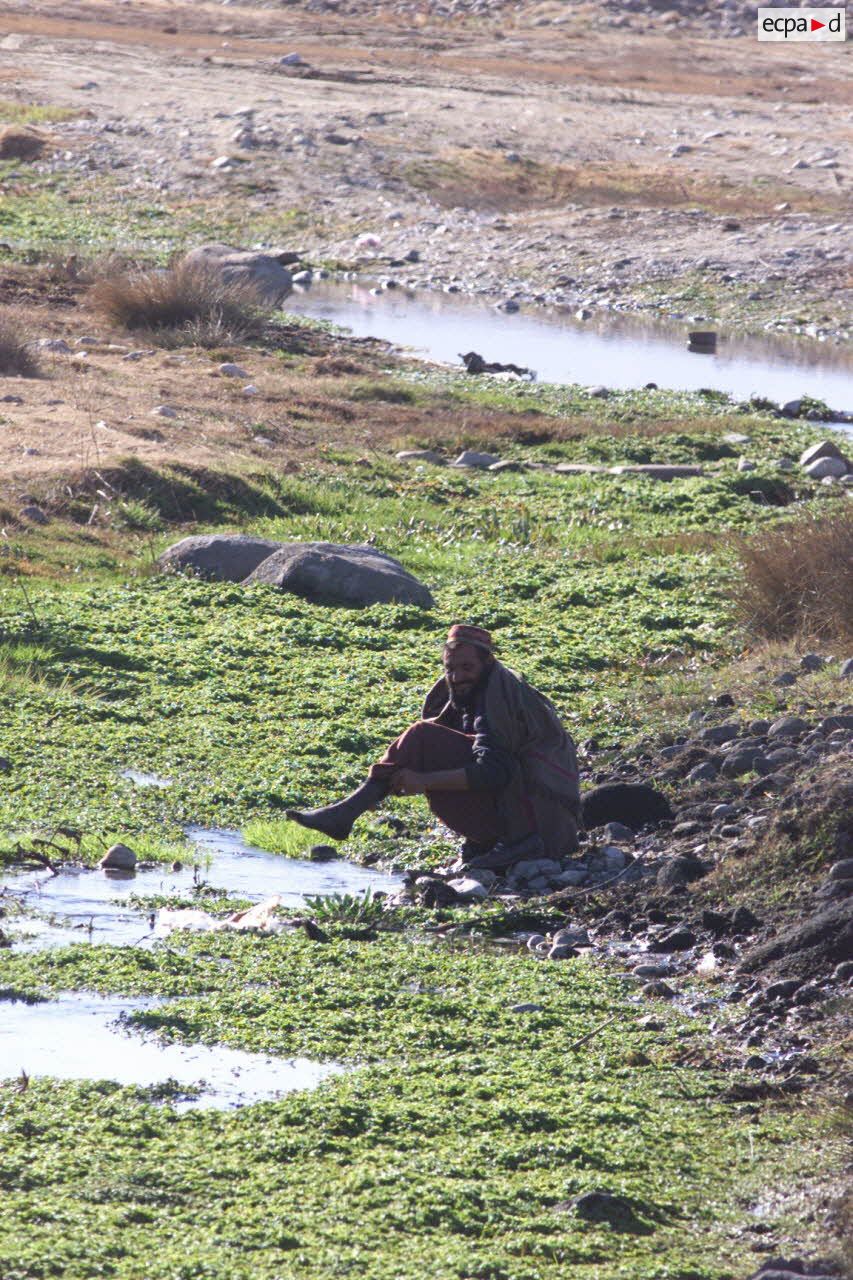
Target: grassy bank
{"type": "Point", "coordinates": [462, 1130]}
{"type": "Point", "coordinates": [450, 1147]}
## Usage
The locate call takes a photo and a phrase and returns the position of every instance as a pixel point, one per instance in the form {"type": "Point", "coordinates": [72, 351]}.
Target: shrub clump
{"type": "Point", "coordinates": [185, 305]}
{"type": "Point", "coordinates": [796, 578]}
{"type": "Point", "coordinates": [18, 143]}
{"type": "Point", "coordinates": [16, 354]}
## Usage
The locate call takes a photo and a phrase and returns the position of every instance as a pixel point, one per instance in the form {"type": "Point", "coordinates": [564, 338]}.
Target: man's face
{"type": "Point", "coordinates": [463, 666]}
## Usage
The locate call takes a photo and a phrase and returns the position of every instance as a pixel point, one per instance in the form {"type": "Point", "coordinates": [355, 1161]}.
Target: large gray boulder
{"type": "Point", "coordinates": [263, 271]}
{"type": "Point", "coordinates": [225, 557]}
{"type": "Point", "coordinates": [327, 573]}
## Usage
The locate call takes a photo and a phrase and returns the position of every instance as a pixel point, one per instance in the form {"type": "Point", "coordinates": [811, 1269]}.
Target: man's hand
{"type": "Point", "coordinates": [406, 782]}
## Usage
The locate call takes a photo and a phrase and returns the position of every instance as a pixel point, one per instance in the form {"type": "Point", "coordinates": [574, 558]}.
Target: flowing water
{"type": "Point", "coordinates": [89, 905]}
{"type": "Point", "coordinates": [616, 351]}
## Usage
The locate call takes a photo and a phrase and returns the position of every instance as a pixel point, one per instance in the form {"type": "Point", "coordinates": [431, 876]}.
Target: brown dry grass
{"type": "Point", "coordinates": [17, 143]}
{"type": "Point", "coordinates": [185, 305]}
{"type": "Point", "coordinates": [796, 578]}
{"type": "Point", "coordinates": [480, 179]}
{"type": "Point", "coordinates": [17, 357]}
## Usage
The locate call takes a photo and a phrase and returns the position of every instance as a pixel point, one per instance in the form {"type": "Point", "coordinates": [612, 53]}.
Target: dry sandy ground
{"type": "Point", "coordinates": [567, 133]}
{"type": "Point", "coordinates": [576, 163]}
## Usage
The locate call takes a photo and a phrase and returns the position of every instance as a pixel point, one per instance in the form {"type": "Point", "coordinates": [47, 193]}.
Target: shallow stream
{"type": "Point", "coordinates": [79, 1036]}
{"type": "Point", "coordinates": [615, 350]}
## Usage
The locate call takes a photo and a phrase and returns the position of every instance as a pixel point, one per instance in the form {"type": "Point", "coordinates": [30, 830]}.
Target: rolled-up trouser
{"type": "Point", "coordinates": [427, 747]}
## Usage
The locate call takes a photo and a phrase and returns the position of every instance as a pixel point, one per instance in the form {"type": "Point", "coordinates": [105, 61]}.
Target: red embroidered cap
{"type": "Point", "coordinates": [461, 633]}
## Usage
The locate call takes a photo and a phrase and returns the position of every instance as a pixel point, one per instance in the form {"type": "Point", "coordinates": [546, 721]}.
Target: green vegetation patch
{"type": "Point", "coordinates": [449, 1149]}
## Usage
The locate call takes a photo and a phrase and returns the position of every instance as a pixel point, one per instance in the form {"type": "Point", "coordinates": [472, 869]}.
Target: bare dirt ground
{"type": "Point", "coordinates": [567, 154]}
{"type": "Point", "coordinates": [573, 160]}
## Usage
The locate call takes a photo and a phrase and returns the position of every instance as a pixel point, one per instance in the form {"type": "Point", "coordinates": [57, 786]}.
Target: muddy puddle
{"type": "Point", "coordinates": [616, 351]}
{"type": "Point", "coordinates": [85, 905]}
{"type": "Point", "coordinates": [82, 1037]}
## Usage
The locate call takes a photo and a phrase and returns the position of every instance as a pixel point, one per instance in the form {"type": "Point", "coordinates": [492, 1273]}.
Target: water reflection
{"type": "Point", "coordinates": [613, 350]}
{"type": "Point", "coordinates": [80, 1037]}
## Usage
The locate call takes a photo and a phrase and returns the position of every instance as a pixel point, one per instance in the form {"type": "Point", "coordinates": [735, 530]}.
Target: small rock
{"type": "Point", "coordinates": [323, 853]}
{"type": "Point", "coordinates": [812, 662]}
{"type": "Point", "coordinates": [842, 870]}
{"type": "Point", "coordinates": [681, 939]}
{"type": "Point", "coordinates": [468, 888]}
{"type": "Point", "coordinates": [787, 727]}
{"type": "Point", "coordinates": [118, 858]}
{"type": "Point", "coordinates": [528, 1007]}
{"type": "Point", "coordinates": [743, 921]}
{"type": "Point", "coordinates": [471, 458]}
{"type": "Point", "coordinates": [34, 514]}
{"type": "Point", "coordinates": [782, 990]}
{"type": "Point", "coordinates": [679, 871]}
{"type": "Point", "coordinates": [722, 811]}
{"type": "Point", "coordinates": [740, 762]}
{"type": "Point", "coordinates": [648, 970]}
{"type": "Point", "coordinates": [5, 765]}
{"type": "Point", "coordinates": [704, 772]}
{"type": "Point", "coordinates": [561, 952]}
{"type": "Point", "coordinates": [658, 990]}
{"type": "Point", "coordinates": [826, 469]}
{"type": "Point", "coordinates": [716, 921]}
{"type": "Point", "coordinates": [846, 671]}
{"type": "Point", "coordinates": [598, 1206]}
{"type": "Point", "coordinates": [746, 464]}
{"type": "Point", "coordinates": [843, 972]}
{"type": "Point", "coordinates": [229, 370]}
{"type": "Point", "coordinates": [164, 411]}
{"type": "Point", "coordinates": [291, 60]}
{"type": "Point", "coordinates": [784, 680]}
{"type": "Point", "coordinates": [57, 345]}
{"type": "Point", "coordinates": [572, 876]}
{"type": "Point", "coordinates": [250, 390]}
{"type": "Point", "coordinates": [826, 448]}
{"type": "Point", "coordinates": [535, 940]}
{"type": "Point", "coordinates": [570, 938]}
{"type": "Point", "coordinates": [833, 723]}
{"type": "Point", "coordinates": [618, 833]}
{"type": "Point", "coordinates": [755, 1062]}
{"type": "Point", "coordinates": [717, 734]}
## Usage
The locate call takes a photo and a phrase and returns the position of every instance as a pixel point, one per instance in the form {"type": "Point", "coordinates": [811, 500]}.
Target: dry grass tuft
{"type": "Point", "coordinates": [17, 357]}
{"type": "Point", "coordinates": [185, 305]}
{"type": "Point", "coordinates": [18, 143]}
{"type": "Point", "coordinates": [796, 578]}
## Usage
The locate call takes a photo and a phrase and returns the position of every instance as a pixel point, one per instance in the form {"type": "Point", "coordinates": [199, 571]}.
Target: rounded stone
{"type": "Point", "coordinates": [118, 858]}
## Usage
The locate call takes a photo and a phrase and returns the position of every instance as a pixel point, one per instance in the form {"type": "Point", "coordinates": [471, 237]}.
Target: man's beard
{"type": "Point", "coordinates": [459, 700]}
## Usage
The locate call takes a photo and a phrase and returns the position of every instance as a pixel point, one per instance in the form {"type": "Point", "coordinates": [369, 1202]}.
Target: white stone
{"type": "Point", "coordinates": [472, 458]}
{"type": "Point", "coordinates": [250, 390]}
{"type": "Point", "coordinates": [229, 370]}
{"type": "Point", "coordinates": [467, 887]}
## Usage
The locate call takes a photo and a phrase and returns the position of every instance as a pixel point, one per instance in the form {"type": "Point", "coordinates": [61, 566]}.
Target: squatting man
{"type": "Point", "coordinates": [489, 753]}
